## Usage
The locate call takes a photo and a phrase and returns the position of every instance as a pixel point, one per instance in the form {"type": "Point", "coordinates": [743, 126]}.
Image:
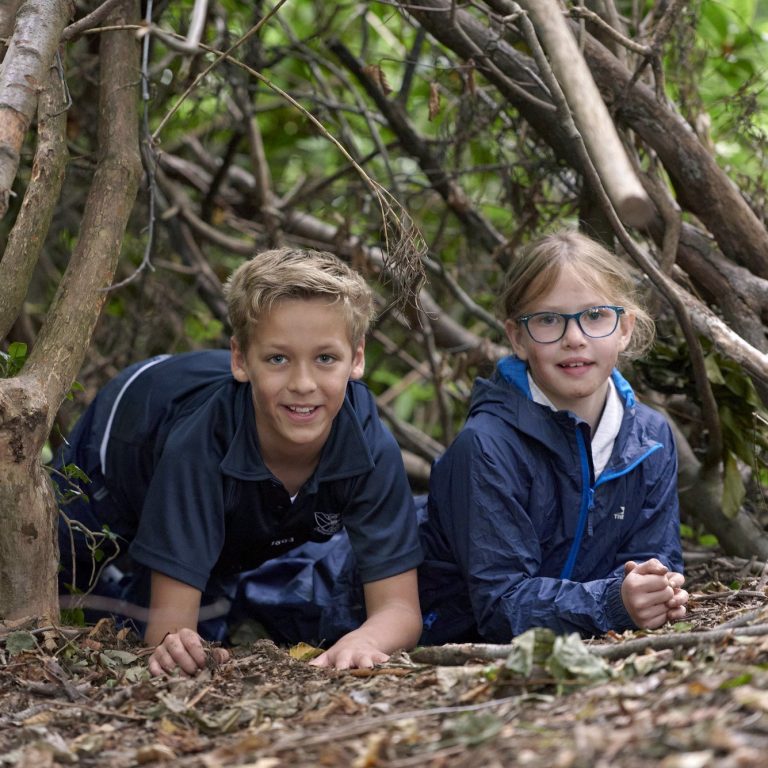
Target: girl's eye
{"type": "Point", "coordinates": [546, 320]}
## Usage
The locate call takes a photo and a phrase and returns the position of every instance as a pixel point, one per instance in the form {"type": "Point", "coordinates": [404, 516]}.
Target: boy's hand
{"type": "Point", "coordinates": [648, 594]}
{"type": "Point", "coordinates": [182, 649]}
{"type": "Point", "coordinates": [352, 651]}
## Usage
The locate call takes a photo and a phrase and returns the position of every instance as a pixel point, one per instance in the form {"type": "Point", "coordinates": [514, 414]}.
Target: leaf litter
{"type": "Point", "coordinates": [83, 697]}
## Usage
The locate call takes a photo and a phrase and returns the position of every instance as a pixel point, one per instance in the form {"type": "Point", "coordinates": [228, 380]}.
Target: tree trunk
{"type": "Point", "coordinates": [29, 401]}
{"type": "Point", "coordinates": [28, 549]}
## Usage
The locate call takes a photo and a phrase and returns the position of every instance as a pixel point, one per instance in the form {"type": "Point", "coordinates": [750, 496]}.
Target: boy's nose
{"type": "Point", "coordinates": [302, 379]}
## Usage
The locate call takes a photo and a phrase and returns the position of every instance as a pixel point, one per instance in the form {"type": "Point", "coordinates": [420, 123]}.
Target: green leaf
{"type": "Point", "coordinates": [530, 649]}
{"type": "Point", "coordinates": [571, 659]}
{"type": "Point", "coordinates": [18, 642]}
{"type": "Point", "coordinates": [735, 682]}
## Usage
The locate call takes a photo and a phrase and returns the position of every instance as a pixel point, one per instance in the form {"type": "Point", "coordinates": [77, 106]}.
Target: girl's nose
{"type": "Point", "coordinates": [573, 335]}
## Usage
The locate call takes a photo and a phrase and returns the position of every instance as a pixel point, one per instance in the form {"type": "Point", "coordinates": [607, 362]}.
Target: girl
{"type": "Point", "coordinates": [556, 506]}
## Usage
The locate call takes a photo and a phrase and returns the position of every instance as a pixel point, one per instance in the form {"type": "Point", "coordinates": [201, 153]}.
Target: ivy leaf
{"type": "Point", "coordinates": [18, 642]}
{"type": "Point", "coordinates": [571, 659]}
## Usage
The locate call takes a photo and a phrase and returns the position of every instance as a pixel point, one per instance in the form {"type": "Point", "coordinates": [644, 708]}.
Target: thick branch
{"type": "Point", "coordinates": [8, 11]}
{"type": "Point", "coordinates": [64, 338]}
{"type": "Point", "coordinates": [39, 24]}
{"type": "Point", "coordinates": [702, 186]}
{"type": "Point", "coordinates": [31, 226]}
{"type": "Point", "coordinates": [589, 113]}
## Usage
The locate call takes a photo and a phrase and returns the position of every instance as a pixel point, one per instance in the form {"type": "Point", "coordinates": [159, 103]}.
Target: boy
{"type": "Point", "coordinates": [210, 463]}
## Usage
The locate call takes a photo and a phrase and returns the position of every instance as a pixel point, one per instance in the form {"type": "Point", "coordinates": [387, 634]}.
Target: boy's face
{"type": "Point", "coordinates": [299, 361]}
{"type": "Point", "coordinates": [572, 372]}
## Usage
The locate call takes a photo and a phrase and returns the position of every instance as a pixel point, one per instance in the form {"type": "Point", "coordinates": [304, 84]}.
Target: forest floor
{"type": "Point", "coordinates": [690, 696]}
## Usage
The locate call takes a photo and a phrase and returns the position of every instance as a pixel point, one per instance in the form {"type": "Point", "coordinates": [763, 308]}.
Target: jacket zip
{"type": "Point", "coordinates": [588, 496]}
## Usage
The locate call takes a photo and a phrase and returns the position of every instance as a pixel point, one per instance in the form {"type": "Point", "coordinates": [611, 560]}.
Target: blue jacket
{"type": "Point", "coordinates": [521, 534]}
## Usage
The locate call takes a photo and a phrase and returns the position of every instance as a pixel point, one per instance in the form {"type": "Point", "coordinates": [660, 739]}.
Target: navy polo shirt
{"type": "Point", "coordinates": [175, 441]}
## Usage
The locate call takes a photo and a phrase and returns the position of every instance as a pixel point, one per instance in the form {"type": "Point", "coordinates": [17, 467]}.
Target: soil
{"type": "Point", "coordinates": [695, 696]}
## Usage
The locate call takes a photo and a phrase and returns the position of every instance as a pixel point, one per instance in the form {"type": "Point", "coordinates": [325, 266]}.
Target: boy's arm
{"type": "Point", "coordinates": [394, 621]}
{"type": "Point", "coordinates": [173, 612]}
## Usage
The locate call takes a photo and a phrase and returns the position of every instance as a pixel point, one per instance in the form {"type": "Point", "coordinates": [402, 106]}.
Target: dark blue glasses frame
{"type": "Point", "coordinates": [577, 316]}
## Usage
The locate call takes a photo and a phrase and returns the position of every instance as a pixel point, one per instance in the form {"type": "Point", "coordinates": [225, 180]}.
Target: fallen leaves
{"type": "Point", "coordinates": [83, 697]}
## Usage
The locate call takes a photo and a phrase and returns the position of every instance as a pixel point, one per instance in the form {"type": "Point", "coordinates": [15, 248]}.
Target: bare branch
{"type": "Point", "coordinates": [28, 234]}
{"type": "Point", "coordinates": [590, 114]}
{"type": "Point", "coordinates": [63, 340]}
{"type": "Point", "coordinates": [23, 76]}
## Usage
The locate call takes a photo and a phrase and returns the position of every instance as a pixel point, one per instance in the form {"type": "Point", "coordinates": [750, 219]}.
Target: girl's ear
{"type": "Point", "coordinates": [515, 334]}
{"type": "Point", "coordinates": [626, 326]}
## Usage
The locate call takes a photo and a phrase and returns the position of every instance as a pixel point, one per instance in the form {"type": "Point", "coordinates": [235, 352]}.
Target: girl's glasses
{"type": "Point", "coordinates": [549, 327]}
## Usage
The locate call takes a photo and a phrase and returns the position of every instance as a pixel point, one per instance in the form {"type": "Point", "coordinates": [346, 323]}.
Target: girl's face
{"type": "Point", "coordinates": [572, 372]}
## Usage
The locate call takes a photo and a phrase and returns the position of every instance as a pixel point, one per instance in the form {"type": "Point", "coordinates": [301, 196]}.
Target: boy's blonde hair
{"type": "Point", "coordinates": [295, 273]}
{"type": "Point", "coordinates": [537, 267]}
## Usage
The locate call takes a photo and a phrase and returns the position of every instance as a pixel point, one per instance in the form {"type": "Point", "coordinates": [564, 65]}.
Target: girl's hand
{"type": "Point", "coordinates": [646, 592]}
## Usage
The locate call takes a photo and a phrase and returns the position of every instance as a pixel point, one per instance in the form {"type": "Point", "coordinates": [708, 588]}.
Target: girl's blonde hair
{"type": "Point", "coordinates": [295, 273]}
{"type": "Point", "coordinates": [537, 267]}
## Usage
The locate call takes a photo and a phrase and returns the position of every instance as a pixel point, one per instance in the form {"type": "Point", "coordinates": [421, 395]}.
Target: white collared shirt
{"type": "Point", "coordinates": [607, 430]}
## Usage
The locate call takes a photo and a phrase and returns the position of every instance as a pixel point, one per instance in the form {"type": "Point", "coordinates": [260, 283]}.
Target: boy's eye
{"type": "Point", "coordinates": [325, 358]}
{"type": "Point", "coordinates": [276, 359]}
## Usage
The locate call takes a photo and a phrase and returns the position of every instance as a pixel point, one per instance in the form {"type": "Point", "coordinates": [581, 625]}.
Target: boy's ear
{"type": "Point", "coordinates": [237, 361]}
{"type": "Point", "coordinates": [358, 361]}
{"type": "Point", "coordinates": [515, 335]}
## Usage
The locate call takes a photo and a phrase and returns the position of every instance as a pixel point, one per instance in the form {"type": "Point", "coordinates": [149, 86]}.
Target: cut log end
{"type": "Point", "coordinates": [635, 210]}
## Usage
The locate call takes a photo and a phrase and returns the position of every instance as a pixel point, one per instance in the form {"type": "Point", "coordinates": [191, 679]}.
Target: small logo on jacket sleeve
{"type": "Point", "coordinates": [619, 515]}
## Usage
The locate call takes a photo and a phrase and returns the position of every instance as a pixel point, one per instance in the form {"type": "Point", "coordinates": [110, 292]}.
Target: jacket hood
{"type": "Point", "coordinates": [506, 395]}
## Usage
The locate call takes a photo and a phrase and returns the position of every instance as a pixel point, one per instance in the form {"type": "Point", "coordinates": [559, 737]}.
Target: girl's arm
{"type": "Point", "coordinates": [394, 622]}
{"type": "Point", "coordinates": [481, 492]}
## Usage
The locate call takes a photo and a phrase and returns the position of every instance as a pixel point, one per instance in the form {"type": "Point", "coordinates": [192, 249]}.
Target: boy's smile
{"type": "Point", "coordinates": [572, 372]}
{"type": "Point", "coordinates": [298, 363]}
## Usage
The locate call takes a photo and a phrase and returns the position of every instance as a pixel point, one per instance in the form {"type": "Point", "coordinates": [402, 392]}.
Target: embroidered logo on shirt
{"type": "Point", "coordinates": [327, 523]}
{"type": "Point", "coordinates": [281, 542]}
{"type": "Point", "coordinates": [619, 515]}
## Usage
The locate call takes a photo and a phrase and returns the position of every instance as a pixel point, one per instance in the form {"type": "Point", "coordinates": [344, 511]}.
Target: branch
{"type": "Point", "coordinates": [590, 114]}
{"type": "Point", "coordinates": [27, 237]}
{"type": "Point", "coordinates": [477, 227]}
{"type": "Point", "coordinates": [93, 19]}
{"type": "Point", "coordinates": [457, 654]}
{"type": "Point", "coordinates": [8, 11]}
{"type": "Point", "coordinates": [39, 24]}
{"type": "Point", "coordinates": [69, 323]}
{"type": "Point", "coordinates": [660, 280]}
